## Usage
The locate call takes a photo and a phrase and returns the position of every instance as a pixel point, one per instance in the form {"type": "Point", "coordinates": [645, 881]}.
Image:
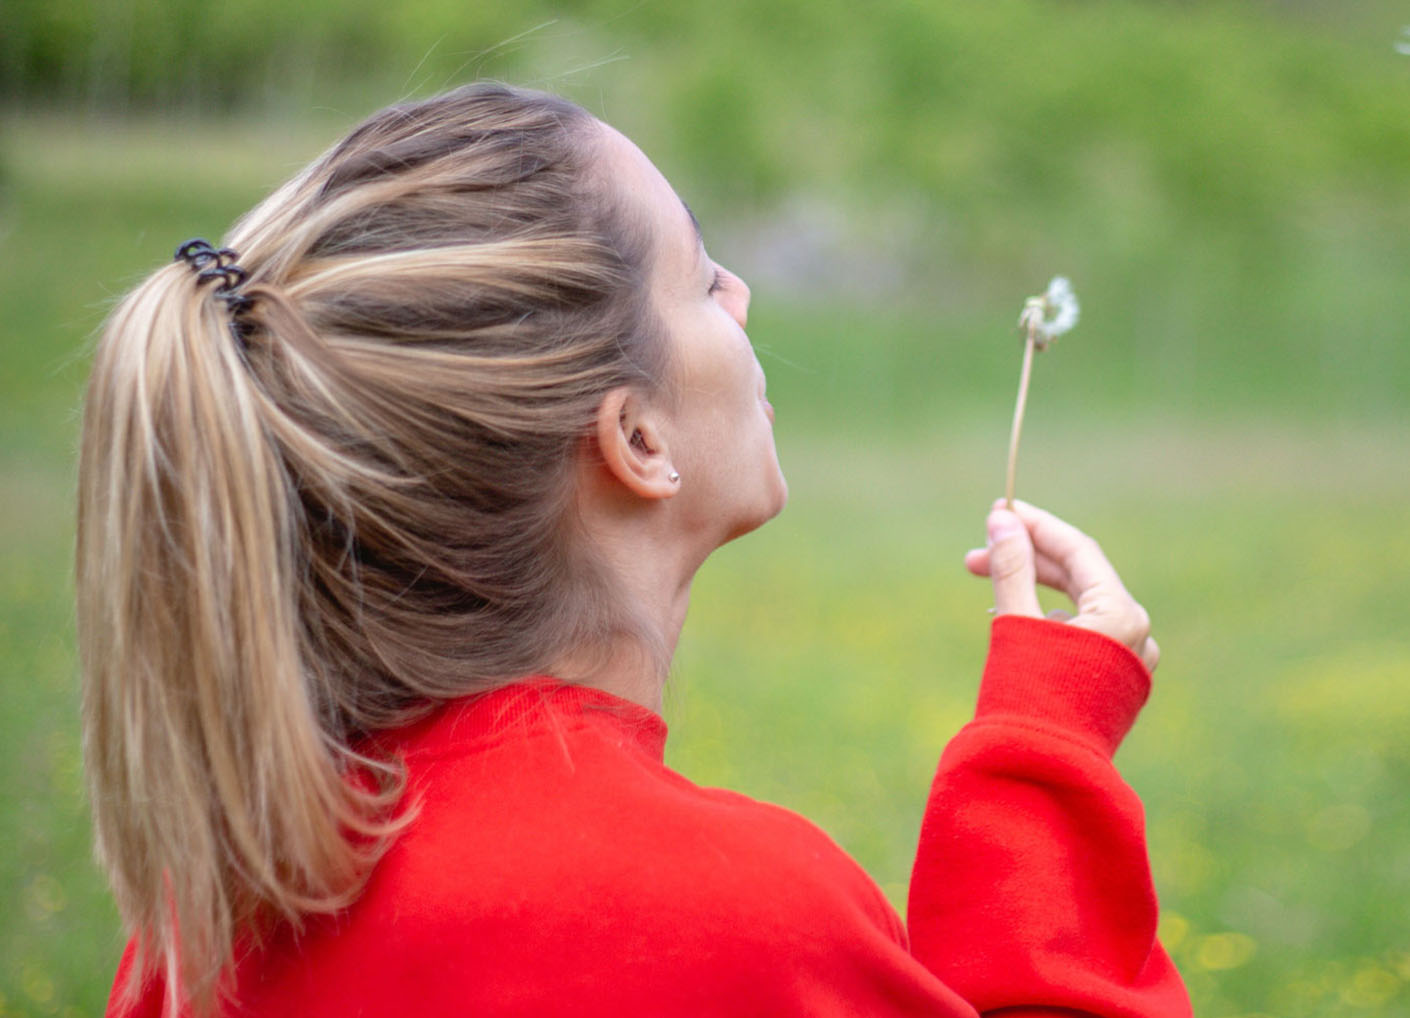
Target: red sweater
{"type": "Point", "coordinates": [557, 867]}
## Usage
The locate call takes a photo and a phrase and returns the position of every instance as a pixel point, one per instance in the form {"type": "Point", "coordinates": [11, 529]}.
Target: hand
{"type": "Point", "coordinates": [1029, 546]}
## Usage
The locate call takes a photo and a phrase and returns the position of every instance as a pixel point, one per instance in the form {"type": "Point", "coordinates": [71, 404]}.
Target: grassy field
{"type": "Point", "coordinates": [1255, 502]}
{"type": "Point", "coordinates": [843, 646]}
{"type": "Point", "coordinates": [829, 657]}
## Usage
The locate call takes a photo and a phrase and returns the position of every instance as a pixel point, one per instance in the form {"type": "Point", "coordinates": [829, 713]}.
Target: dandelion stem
{"type": "Point", "coordinates": [1028, 349]}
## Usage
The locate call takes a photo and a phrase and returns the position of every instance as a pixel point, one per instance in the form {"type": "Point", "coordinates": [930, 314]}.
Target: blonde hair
{"type": "Point", "coordinates": [351, 502]}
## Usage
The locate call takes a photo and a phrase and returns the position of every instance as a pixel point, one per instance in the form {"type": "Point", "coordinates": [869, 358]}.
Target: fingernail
{"type": "Point", "coordinates": [1003, 524]}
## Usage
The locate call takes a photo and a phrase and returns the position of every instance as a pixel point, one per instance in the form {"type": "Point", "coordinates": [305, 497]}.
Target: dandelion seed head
{"type": "Point", "coordinates": [1404, 45]}
{"type": "Point", "coordinates": [1047, 317]}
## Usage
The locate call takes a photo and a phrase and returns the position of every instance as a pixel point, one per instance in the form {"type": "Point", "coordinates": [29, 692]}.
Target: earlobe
{"type": "Point", "coordinates": [633, 447]}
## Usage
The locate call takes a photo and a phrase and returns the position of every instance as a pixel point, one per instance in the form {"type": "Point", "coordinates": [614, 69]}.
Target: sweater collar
{"type": "Point", "coordinates": [528, 705]}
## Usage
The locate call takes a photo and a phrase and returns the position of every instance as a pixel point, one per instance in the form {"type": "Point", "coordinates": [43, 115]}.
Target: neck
{"type": "Point", "coordinates": [633, 666]}
{"type": "Point", "coordinates": [650, 572]}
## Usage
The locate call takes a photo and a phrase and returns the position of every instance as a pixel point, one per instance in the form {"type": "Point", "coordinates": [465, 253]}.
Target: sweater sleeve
{"type": "Point", "coordinates": [1032, 890]}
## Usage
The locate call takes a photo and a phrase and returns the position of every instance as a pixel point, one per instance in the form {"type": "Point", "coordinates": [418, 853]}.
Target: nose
{"type": "Point", "coordinates": [742, 314]}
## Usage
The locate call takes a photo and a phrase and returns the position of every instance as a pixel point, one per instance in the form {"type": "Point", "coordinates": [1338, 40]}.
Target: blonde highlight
{"type": "Point", "coordinates": [359, 508]}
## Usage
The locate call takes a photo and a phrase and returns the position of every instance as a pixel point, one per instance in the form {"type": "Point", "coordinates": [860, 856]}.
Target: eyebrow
{"type": "Point", "coordinates": [699, 233]}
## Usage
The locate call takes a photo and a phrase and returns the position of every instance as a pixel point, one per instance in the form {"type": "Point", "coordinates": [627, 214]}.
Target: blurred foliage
{"type": "Point", "coordinates": [1230, 104]}
{"type": "Point", "coordinates": [1225, 182]}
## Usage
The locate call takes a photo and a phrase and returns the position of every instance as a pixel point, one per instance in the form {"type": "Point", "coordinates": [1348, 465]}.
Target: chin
{"type": "Point", "coordinates": [771, 507]}
{"type": "Point", "coordinates": [781, 499]}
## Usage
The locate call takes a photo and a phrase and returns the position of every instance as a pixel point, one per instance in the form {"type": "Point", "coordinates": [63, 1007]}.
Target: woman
{"type": "Point", "coordinates": [387, 528]}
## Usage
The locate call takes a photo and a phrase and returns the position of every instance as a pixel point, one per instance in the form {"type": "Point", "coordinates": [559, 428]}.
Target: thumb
{"type": "Point", "coordinates": [1011, 565]}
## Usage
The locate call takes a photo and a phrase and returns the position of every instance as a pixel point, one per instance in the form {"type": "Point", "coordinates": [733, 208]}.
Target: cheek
{"type": "Point", "coordinates": [720, 385]}
{"type": "Point", "coordinates": [720, 379]}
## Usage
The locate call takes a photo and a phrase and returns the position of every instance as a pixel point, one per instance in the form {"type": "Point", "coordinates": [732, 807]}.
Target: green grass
{"type": "Point", "coordinates": [1228, 419]}
{"type": "Point", "coordinates": [828, 658]}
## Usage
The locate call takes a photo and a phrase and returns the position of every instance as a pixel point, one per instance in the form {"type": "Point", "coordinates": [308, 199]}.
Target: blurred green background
{"type": "Point", "coordinates": [1225, 183]}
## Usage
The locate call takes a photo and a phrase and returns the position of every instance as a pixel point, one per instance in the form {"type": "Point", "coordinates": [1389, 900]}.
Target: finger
{"type": "Point", "coordinates": [1058, 615]}
{"type": "Point", "coordinates": [1077, 554]}
{"type": "Point", "coordinates": [1011, 567]}
{"type": "Point", "coordinates": [1150, 654]}
{"type": "Point", "coordinates": [1117, 616]}
{"type": "Point", "coordinates": [1103, 603]}
{"type": "Point", "coordinates": [1049, 573]}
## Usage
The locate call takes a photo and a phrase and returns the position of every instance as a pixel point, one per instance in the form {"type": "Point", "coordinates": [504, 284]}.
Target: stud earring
{"type": "Point", "coordinates": [673, 477]}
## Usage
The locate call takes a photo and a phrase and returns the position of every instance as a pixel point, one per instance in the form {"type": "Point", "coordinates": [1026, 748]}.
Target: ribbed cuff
{"type": "Point", "coordinates": [1071, 678]}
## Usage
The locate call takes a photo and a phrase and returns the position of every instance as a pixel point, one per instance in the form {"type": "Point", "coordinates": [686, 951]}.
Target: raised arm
{"type": "Point", "coordinates": [1032, 892]}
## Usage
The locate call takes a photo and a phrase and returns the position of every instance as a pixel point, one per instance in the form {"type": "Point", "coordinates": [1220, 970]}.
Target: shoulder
{"type": "Point", "coordinates": [567, 820]}
{"type": "Point", "coordinates": [570, 848]}
{"type": "Point", "coordinates": [565, 869]}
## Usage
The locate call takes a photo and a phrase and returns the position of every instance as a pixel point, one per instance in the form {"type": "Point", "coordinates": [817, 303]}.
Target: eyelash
{"type": "Point", "coordinates": [717, 284]}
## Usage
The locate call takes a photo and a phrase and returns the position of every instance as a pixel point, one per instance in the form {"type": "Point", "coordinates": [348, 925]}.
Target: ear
{"type": "Point", "coordinates": [633, 445]}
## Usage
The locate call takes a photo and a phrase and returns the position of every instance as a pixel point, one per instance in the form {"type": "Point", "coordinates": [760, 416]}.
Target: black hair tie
{"type": "Point", "coordinates": [217, 264]}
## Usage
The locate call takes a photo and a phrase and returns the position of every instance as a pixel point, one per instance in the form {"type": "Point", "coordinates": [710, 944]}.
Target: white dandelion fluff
{"type": "Point", "coordinates": [1049, 316]}
{"type": "Point", "coordinates": [1043, 320]}
{"type": "Point", "coordinates": [1404, 45]}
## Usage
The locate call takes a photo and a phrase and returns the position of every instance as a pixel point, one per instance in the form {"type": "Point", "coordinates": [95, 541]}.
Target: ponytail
{"type": "Point", "coordinates": [354, 505]}
{"type": "Point", "coordinates": [219, 801]}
